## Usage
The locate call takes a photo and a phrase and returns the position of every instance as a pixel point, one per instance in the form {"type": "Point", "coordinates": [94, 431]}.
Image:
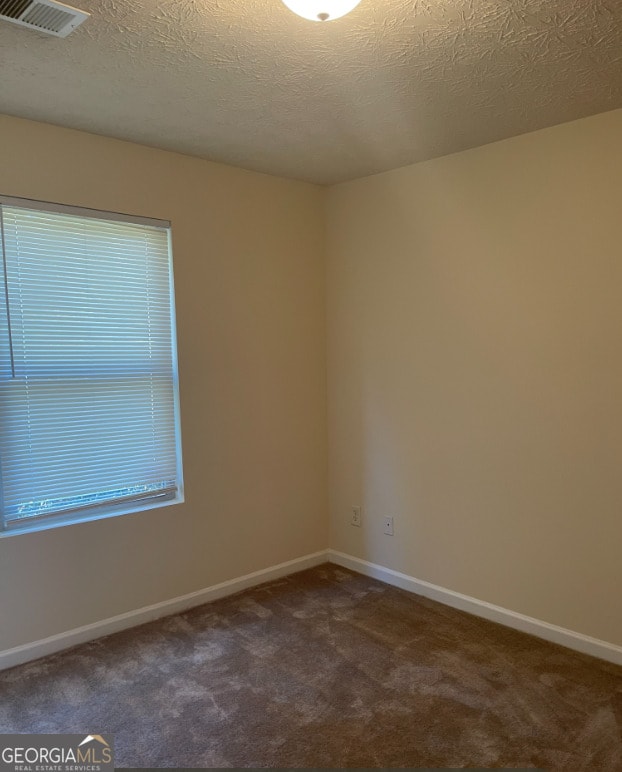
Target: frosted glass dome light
{"type": "Point", "coordinates": [321, 10]}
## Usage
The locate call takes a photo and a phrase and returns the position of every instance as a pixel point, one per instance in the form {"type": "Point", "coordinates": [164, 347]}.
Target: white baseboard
{"type": "Point", "coordinates": [45, 646]}
{"type": "Point", "coordinates": [572, 640]}
{"type": "Point", "coordinates": [560, 635]}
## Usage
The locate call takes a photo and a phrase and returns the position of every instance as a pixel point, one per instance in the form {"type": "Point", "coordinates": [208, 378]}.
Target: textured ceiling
{"type": "Point", "coordinates": [249, 83]}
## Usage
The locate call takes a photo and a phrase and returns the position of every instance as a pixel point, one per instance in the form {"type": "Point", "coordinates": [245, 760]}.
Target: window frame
{"type": "Point", "coordinates": [127, 506]}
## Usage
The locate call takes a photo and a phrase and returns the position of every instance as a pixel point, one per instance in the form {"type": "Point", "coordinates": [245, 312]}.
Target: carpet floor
{"type": "Point", "coordinates": [326, 668]}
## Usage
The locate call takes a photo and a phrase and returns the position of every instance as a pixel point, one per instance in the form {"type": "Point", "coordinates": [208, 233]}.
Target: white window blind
{"type": "Point", "coordinates": [88, 377]}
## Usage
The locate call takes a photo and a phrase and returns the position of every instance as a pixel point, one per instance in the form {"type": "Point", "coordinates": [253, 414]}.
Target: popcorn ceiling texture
{"type": "Point", "coordinates": [248, 83]}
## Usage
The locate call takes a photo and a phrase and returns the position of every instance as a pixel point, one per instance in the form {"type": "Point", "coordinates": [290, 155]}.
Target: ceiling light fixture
{"type": "Point", "coordinates": [321, 10]}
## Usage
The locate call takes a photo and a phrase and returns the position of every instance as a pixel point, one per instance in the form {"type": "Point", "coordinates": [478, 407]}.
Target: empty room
{"type": "Point", "coordinates": [310, 384]}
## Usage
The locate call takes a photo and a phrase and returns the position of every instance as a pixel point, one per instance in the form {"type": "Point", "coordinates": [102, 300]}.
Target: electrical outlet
{"type": "Point", "coordinates": [388, 526]}
{"type": "Point", "coordinates": [356, 517]}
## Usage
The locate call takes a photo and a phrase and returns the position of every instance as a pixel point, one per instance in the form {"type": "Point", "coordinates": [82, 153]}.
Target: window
{"type": "Point", "coordinates": [89, 423]}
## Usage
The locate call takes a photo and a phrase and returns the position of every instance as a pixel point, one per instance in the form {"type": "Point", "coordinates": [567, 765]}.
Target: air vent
{"type": "Point", "coordinates": [44, 15]}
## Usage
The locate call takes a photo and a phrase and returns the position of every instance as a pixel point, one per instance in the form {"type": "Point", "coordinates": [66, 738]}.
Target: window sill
{"type": "Point", "coordinates": [62, 521]}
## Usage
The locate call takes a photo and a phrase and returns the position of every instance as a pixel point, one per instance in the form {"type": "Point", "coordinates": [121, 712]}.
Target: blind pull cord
{"type": "Point", "coordinates": [6, 293]}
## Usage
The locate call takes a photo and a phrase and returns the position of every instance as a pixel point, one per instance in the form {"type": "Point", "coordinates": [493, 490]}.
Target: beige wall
{"type": "Point", "coordinates": [474, 339]}
{"type": "Point", "coordinates": [249, 276]}
{"type": "Point", "coordinates": [475, 372]}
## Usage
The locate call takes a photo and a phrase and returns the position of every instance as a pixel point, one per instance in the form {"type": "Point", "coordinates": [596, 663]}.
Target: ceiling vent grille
{"type": "Point", "coordinates": [43, 15]}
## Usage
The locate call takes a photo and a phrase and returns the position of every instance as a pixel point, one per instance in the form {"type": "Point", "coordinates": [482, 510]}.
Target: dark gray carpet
{"type": "Point", "coordinates": [326, 669]}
